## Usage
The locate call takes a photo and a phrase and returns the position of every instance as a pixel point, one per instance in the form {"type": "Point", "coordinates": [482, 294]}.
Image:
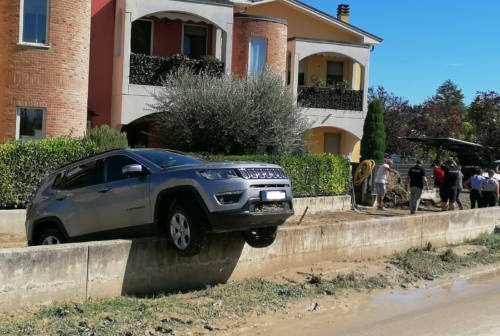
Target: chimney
{"type": "Point", "coordinates": [343, 13]}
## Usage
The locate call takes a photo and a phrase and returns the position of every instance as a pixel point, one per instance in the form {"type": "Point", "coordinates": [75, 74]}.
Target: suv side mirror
{"type": "Point", "coordinates": [133, 170]}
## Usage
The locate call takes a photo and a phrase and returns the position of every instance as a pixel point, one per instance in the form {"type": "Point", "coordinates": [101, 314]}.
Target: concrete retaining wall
{"type": "Point", "coordinates": [12, 221]}
{"type": "Point", "coordinates": [39, 275]}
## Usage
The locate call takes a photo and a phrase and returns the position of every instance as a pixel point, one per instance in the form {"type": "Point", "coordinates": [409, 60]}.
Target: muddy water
{"type": "Point", "coordinates": [463, 307]}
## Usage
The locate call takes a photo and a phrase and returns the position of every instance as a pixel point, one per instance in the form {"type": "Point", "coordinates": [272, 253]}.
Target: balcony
{"type": "Point", "coordinates": [330, 98]}
{"type": "Point", "coordinates": [152, 70]}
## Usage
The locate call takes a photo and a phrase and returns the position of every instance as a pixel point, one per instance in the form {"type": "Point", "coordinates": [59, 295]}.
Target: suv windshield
{"type": "Point", "coordinates": [167, 159]}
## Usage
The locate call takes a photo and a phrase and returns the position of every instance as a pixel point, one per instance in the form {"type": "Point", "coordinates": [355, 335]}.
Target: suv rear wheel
{"type": "Point", "coordinates": [260, 238]}
{"type": "Point", "coordinates": [186, 230]}
{"type": "Point", "coordinates": [51, 236]}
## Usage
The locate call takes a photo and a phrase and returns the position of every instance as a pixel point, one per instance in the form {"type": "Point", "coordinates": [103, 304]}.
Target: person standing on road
{"type": "Point", "coordinates": [450, 190]}
{"type": "Point", "coordinates": [381, 181]}
{"type": "Point", "coordinates": [460, 187]}
{"type": "Point", "coordinates": [474, 184]}
{"type": "Point", "coordinates": [489, 190]}
{"type": "Point", "coordinates": [417, 180]}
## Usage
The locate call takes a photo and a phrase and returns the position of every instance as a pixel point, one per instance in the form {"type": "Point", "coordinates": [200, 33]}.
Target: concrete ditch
{"type": "Point", "coordinates": [39, 275]}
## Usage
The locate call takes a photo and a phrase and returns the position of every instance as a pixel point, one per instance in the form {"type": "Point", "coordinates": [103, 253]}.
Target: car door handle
{"type": "Point", "coordinates": [104, 190]}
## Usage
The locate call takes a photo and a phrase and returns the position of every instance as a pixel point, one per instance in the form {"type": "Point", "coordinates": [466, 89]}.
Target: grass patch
{"type": "Point", "coordinates": [420, 264]}
{"type": "Point", "coordinates": [167, 314]}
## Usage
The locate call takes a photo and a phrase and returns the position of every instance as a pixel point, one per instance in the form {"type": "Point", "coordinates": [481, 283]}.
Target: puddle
{"type": "Point", "coordinates": [457, 307]}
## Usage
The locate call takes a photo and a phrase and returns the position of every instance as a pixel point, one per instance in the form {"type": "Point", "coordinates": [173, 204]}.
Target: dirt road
{"type": "Point", "coordinates": [464, 307]}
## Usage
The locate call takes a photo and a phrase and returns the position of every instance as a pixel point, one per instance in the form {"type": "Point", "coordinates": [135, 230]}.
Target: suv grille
{"type": "Point", "coordinates": [262, 173]}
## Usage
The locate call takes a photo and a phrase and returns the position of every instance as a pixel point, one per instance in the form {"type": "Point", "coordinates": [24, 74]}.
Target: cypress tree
{"type": "Point", "coordinates": [373, 141]}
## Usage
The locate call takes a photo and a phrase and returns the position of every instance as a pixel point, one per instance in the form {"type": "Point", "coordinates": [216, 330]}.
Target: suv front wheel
{"type": "Point", "coordinates": [186, 230]}
{"type": "Point", "coordinates": [51, 236]}
{"type": "Point", "coordinates": [260, 238]}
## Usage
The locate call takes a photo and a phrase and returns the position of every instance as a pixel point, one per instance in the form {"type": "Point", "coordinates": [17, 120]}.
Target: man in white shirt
{"type": "Point", "coordinates": [381, 181]}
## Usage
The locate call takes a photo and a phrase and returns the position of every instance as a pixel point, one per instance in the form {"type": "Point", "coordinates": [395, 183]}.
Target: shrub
{"type": "Point", "coordinates": [311, 175]}
{"type": "Point", "coordinates": [24, 165]}
{"type": "Point", "coordinates": [373, 141]}
{"type": "Point", "coordinates": [228, 115]}
{"type": "Point", "coordinates": [106, 138]}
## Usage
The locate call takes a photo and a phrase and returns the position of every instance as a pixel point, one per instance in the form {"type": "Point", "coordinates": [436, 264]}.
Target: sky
{"type": "Point", "coordinates": [427, 42]}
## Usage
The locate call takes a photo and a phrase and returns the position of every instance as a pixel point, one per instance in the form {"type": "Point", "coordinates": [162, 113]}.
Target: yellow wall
{"type": "Point", "coordinates": [349, 144]}
{"type": "Point", "coordinates": [316, 67]}
{"type": "Point", "coordinates": [358, 77]}
{"type": "Point", "coordinates": [301, 24]}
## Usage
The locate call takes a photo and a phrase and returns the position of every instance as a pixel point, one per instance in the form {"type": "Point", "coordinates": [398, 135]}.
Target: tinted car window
{"type": "Point", "coordinates": [81, 176]}
{"type": "Point", "coordinates": [167, 159]}
{"type": "Point", "coordinates": [113, 167]}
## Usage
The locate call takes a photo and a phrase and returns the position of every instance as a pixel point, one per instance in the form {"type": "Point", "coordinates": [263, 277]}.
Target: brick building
{"type": "Point", "coordinates": [60, 72]}
{"type": "Point", "coordinates": [43, 68]}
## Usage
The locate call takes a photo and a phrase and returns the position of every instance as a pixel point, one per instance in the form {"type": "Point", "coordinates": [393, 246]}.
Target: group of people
{"type": "Point", "coordinates": [448, 177]}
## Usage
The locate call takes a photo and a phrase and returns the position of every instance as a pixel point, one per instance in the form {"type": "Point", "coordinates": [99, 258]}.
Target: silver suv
{"type": "Point", "coordinates": [136, 192]}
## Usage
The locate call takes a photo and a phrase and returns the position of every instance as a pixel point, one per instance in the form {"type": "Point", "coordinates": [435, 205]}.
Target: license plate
{"type": "Point", "coordinates": [273, 195]}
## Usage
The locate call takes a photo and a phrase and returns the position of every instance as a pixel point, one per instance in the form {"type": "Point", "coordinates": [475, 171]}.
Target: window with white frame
{"type": "Point", "coordinates": [258, 56]}
{"type": "Point", "coordinates": [34, 21]}
{"type": "Point", "coordinates": [30, 123]}
{"type": "Point", "coordinates": [194, 41]}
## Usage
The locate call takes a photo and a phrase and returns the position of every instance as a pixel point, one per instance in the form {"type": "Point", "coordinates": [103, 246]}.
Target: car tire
{"type": "Point", "coordinates": [186, 230]}
{"type": "Point", "coordinates": [260, 238]}
{"type": "Point", "coordinates": [51, 236]}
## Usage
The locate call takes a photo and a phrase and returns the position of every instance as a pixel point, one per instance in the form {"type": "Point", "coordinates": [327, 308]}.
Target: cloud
{"type": "Point", "coordinates": [455, 65]}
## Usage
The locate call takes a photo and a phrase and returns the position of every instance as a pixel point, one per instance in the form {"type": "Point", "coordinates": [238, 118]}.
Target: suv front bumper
{"type": "Point", "coordinates": [253, 215]}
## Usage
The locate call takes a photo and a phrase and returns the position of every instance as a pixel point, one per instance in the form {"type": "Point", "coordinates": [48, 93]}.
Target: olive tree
{"type": "Point", "coordinates": [228, 115]}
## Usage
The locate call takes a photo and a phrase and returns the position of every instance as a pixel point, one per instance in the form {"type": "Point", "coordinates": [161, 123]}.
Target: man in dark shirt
{"type": "Point", "coordinates": [451, 177]}
{"type": "Point", "coordinates": [416, 180]}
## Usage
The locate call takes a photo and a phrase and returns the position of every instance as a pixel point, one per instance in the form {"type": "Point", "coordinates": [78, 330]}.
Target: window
{"type": "Point", "coordinates": [82, 176]}
{"type": "Point", "coordinates": [258, 55]}
{"type": "Point", "coordinates": [142, 35]}
{"type": "Point", "coordinates": [288, 68]}
{"type": "Point", "coordinates": [302, 72]}
{"type": "Point", "coordinates": [194, 41]}
{"type": "Point", "coordinates": [30, 124]}
{"type": "Point", "coordinates": [166, 159]}
{"type": "Point", "coordinates": [332, 143]}
{"type": "Point", "coordinates": [113, 167]}
{"type": "Point", "coordinates": [334, 73]}
{"type": "Point", "coordinates": [34, 23]}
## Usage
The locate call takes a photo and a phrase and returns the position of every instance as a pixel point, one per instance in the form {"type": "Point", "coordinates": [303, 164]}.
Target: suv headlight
{"type": "Point", "coordinates": [219, 174]}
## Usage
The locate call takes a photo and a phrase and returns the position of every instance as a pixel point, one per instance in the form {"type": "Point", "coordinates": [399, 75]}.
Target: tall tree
{"type": "Point", "coordinates": [373, 141]}
{"type": "Point", "coordinates": [442, 115]}
{"type": "Point", "coordinates": [484, 115]}
{"type": "Point", "coordinates": [450, 94]}
{"type": "Point", "coordinates": [397, 114]}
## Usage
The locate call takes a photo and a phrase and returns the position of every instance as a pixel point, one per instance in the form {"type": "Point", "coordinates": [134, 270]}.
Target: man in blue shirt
{"type": "Point", "coordinates": [474, 184]}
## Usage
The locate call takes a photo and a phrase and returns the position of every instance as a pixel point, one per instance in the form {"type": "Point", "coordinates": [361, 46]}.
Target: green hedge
{"type": "Point", "coordinates": [311, 175]}
{"type": "Point", "coordinates": [151, 70]}
{"type": "Point", "coordinates": [24, 165]}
